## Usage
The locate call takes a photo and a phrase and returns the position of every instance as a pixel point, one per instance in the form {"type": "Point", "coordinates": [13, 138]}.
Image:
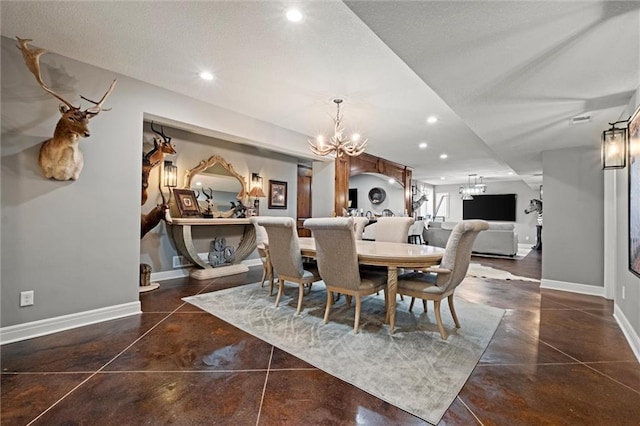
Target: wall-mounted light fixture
{"type": "Point", "coordinates": [256, 192]}
{"type": "Point", "coordinates": [170, 175]}
{"type": "Point", "coordinates": [614, 146]}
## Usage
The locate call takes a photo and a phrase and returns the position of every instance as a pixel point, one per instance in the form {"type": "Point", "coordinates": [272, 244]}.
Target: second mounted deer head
{"type": "Point", "coordinates": [151, 159]}
{"type": "Point", "coordinates": [60, 157]}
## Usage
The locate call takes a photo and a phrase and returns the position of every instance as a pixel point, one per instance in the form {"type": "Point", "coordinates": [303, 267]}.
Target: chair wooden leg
{"type": "Point", "coordinates": [413, 299]}
{"type": "Point", "coordinates": [300, 294]}
{"type": "Point", "coordinates": [328, 308]}
{"type": "Point", "coordinates": [443, 333]}
{"type": "Point", "coordinates": [264, 275]}
{"type": "Point", "coordinates": [280, 290]}
{"type": "Point", "coordinates": [453, 311]}
{"type": "Point", "coordinates": [348, 300]}
{"type": "Point", "coordinates": [356, 322]}
{"type": "Point", "coordinates": [424, 305]}
{"type": "Point", "coordinates": [271, 278]}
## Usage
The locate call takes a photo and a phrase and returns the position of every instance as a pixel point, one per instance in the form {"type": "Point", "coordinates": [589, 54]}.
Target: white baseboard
{"type": "Point", "coordinates": [184, 272]}
{"type": "Point", "coordinates": [590, 290]}
{"type": "Point", "coordinates": [627, 329]}
{"type": "Point", "coordinates": [29, 330]}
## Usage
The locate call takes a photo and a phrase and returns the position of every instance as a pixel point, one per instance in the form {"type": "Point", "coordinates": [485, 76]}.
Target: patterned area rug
{"type": "Point", "coordinates": [413, 369]}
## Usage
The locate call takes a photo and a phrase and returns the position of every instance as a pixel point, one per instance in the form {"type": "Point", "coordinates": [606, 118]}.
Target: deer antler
{"type": "Point", "coordinates": [98, 105]}
{"type": "Point", "coordinates": [208, 195]}
{"type": "Point", "coordinates": [32, 60]}
{"type": "Point", "coordinates": [166, 138]}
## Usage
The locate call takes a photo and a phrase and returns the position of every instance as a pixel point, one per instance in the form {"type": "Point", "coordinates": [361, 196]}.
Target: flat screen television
{"type": "Point", "coordinates": [490, 207]}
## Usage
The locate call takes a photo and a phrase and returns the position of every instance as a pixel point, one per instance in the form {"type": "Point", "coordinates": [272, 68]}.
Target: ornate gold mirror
{"type": "Point", "coordinates": [218, 185]}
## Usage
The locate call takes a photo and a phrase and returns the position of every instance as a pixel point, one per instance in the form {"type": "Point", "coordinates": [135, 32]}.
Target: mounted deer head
{"type": "Point", "coordinates": [60, 157]}
{"type": "Point", "coordinates": [154, 157]}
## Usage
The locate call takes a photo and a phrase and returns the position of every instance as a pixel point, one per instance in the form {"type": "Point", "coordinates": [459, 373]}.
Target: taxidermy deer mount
{"type": "Point", "coordinates": [60, 157]}
{"type": "Point", "coordinates": [151, 159]}
{"type": "Point", "coordinates": [154, 157]}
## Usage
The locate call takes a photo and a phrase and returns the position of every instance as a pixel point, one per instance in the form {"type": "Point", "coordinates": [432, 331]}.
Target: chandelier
{"type": "Point", "coordinates": [352, 147]}
{"type": "Point", "coordinates": [472, 189]}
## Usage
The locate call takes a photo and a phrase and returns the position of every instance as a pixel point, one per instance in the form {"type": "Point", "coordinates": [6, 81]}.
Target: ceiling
{"type": "Point", "coordinates": [504, 78]}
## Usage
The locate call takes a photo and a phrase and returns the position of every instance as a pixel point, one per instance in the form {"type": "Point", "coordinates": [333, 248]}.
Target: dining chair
{"type": "Point", "coordinates": [285, 256]}
{"type": "Point", "coordinates": [262, 246]}
{"type": "Point", "coordinates": [358, 226]}
{"type": "Point", "coordinates": [338, 263]}
{"type": "Point", "coordinates": [415, 232]}
{"type": "Point", "coordinates": [393, 229]}
{"type": "Point", "coordinates": [437, 283]}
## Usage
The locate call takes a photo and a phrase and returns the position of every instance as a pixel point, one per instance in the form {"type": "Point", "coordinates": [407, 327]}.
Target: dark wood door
{"type": "Point", "coordinates": [304, 199]}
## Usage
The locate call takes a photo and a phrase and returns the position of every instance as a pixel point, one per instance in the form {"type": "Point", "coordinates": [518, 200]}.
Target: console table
{"type": "Point", "coordinates": [180, 231]}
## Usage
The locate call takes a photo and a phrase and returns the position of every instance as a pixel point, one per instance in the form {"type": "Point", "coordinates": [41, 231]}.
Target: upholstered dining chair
{"type": "Point", "coordinates": [338, 263]}
{"type": "Point", "coordinates": [393, 229]}
{"type": "Point", "coordinates": [358, 226]}
{"type": "Point", "coordinates": [437, 283]}
{"type": "Point", "coordinates": [262, 246]}
{"type": "Point", "coordinates": [415, 232]}
{"type": "Point", "coordinates": [285, 256]}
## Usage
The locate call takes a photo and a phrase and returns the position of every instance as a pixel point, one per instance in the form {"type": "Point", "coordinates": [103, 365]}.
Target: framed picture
{"type": "Point", "coordinates": [277, 194]}
{"type": "Point", "coordinates": [634, 193]}
{"type": "Point", "coordinates": [187, 202]}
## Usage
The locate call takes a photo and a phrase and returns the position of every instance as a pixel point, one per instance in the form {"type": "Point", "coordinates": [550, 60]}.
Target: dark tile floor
{"type": "Point", "coordinates": [557, 359]}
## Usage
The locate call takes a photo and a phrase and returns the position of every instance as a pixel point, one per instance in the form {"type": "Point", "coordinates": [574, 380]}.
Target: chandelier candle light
{"type": "Point", "coordinates": [352, 147]}
{"type": "Point", "coordinates": [475, 189]}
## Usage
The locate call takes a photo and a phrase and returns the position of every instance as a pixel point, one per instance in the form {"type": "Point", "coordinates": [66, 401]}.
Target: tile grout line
{"type": "Point", "coordinates": [264, 388]}
{"type": "Point", "coordinates": [468, 408]}
{"type": "Point", "coordinates": [103, 367]}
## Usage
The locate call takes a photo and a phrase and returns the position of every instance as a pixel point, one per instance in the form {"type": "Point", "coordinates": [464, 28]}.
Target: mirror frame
{"type": "Point", "coordinates": [212, 161]}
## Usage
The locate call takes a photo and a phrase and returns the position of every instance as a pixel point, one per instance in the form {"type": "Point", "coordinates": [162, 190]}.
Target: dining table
{"type": "Point", "coordinates": [390, 255]}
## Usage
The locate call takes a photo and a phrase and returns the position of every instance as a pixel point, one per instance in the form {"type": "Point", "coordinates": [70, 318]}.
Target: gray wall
{"type": "Point", "coordinates": [525, 224]}
{"type": "Point", "coordinates": [573, 235]}
{"type": "Point", "coordinates": [77, 244]}
{"type": "Point", "coordinates": [630, 304]}
{"type": "Point", "coordinates": [393, 201]}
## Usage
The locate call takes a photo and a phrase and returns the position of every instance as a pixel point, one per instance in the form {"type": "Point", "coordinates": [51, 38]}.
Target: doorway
{"type": "Point", "coordinates": [303, 199]}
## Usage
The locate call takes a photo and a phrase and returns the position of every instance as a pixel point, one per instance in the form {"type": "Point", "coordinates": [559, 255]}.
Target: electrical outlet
{"type": "Point", "coordinates": [26, 298]}
{"type": "Point", "coordinates": [526, 237]}
{"type": "Point", "coordinates": [181, 262]}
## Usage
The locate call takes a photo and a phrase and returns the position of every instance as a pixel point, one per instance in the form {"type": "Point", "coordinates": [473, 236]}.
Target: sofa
{"type": "Point", "coordinates": [500, 238]}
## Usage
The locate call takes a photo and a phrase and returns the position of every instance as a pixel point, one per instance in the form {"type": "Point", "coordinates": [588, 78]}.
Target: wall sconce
{"type": "Point", "coordinates": [170, 175]}
{"type": "Point", "coordinates": [614, 146]}
{"type": "Point", "coordinates": [256, 193]}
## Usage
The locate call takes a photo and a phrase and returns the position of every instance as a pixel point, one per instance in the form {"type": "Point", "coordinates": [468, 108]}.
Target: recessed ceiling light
{"type": "Point", "coordinates": [206, 75]}
{"type": "Point", "coordinates": [441, 177]}
{"type": "Point", "coordinates": [423, 145]}
{"type": "Point", "coordinates": [294, 15]}
{"type": "Point", "coordinates": [443, 156]}
{"type": "Point", "coordinates": [432, 119]}
{"type": "Point", "coordinates": [510, 173]}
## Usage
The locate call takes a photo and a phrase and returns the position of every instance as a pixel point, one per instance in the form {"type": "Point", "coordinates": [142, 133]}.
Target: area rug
{"type": "Point", "coordinates": [481, 271]}
{"type": "Point", "coordinates": [413, 369]}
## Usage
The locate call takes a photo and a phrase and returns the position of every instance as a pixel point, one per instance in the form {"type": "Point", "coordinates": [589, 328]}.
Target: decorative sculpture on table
{"type": "Point", "coordinates": [535, 205]}
{"type": "Point", "coordinates": [60, 157]}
